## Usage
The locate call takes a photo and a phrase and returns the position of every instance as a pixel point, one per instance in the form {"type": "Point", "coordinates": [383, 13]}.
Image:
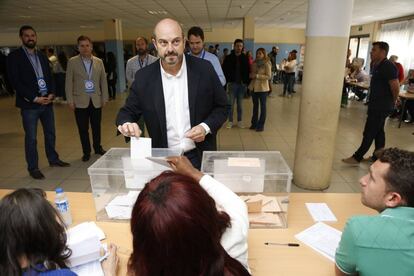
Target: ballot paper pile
{"type": "Point", "coordinates": [121, 206]}
{"type": "Point", "coordinates": [84, 240]}
{"type": "Point", "coordinates": [264, 211]}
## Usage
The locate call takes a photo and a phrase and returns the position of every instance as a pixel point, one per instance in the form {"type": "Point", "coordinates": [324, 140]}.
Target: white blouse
{"type": "Point", "coordinates": [234, 239]}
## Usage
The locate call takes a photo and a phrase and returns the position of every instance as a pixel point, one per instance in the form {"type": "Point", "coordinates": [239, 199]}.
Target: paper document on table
{"type": "Point", "coordinates": [140, 147]}
{"type": "Point", "coordinates": [125, 200]}
{"type": "Point", "coordinates": [322, 238]}
{"type": "Point", "coordinates": [320, 212]}
{"type": "Point", "coordinates": [90, 269]}
{"type": "Point", "coordinates": [118, 212]}
{"type": "Point", "coordinates": [86, 228]}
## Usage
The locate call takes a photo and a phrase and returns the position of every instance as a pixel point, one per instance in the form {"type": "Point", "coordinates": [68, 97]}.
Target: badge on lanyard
{"type": "Point", "coordinates": [89, 86]}
{"type": "Point", "coordinates": [42, 86]}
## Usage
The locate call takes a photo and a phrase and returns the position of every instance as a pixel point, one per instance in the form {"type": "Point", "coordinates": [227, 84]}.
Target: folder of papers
{"type": "Point", "coordinates": [84, 242]}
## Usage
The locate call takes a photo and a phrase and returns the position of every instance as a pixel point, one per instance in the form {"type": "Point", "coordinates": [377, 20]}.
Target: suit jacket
{"type": "Point", "coordinates": [206, 97]}
{"type": "Point", "coordinates": [23, 78]}
{"type": "Point", "coordinates": [75, 83]}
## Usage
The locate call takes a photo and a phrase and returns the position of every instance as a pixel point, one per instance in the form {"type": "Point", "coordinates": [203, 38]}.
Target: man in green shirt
{"type": "Point", "coordinates": [383, 244]}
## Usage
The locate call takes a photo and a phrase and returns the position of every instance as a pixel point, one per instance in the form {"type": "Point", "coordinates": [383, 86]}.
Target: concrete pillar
{"type": "Point", "coordinates": [114, 44]}
{"type": "Point", "coordinates": [327, 32]}
{"type": "Point", "coordinates": [248, 33]}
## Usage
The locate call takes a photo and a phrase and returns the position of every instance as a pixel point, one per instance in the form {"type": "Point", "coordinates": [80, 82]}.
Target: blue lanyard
{"type": "Point", "coordinates": [89, 72]}
{"type": "Point", "coordinates": [37, 67]}
{"type": "Point", "coordinates": [142, 64]}
{"type": "Point", "coordinates": [204, 53]}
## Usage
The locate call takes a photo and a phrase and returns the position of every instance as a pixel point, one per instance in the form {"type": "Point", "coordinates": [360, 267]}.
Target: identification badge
{"type": "Point", "coordinates": [42, 86]}
{"type": "Point", "coordinates": [89, 86]}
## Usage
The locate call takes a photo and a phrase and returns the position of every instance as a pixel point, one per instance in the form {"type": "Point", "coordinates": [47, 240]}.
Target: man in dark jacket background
{"type": "Point", "coordinates": [30, 76]}
{"type": "Point", "coordinates": [236, 70]}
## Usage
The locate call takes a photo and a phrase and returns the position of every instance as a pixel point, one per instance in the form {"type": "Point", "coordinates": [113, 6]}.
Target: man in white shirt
{"type": "Point", "coordinates": [139, 61]}
{"type": "Point", "coordinates": [195, 37]}
{"type": "Point", "coordinates": [181, 98]}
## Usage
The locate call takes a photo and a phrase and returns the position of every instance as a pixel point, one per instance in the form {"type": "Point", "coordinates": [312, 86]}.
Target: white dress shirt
{"type": "Point", "coordinates": [234, 239]}
{"type": "Point", "coordinates": [177, 110]}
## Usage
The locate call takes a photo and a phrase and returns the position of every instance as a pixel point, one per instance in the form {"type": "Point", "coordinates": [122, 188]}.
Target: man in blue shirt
{"type": "Point", "coordinates": [196, 40]}
{"type": "Point", "coordinates": [382, 245]}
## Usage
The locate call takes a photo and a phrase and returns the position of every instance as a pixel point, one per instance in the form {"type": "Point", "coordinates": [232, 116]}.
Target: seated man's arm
{"type": "Point", "coordinates": [345, 257]}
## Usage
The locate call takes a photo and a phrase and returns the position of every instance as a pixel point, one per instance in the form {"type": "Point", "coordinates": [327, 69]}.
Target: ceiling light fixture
{"type": "Point", "coordinates": [157, 12]}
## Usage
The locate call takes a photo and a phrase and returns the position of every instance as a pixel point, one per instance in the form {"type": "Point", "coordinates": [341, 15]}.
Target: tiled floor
{"type": "Point", "coordinates": [279, 134]}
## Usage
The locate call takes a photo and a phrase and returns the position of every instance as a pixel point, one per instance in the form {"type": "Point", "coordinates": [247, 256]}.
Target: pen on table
{"type": "Point", "coordinates": [282, 244]}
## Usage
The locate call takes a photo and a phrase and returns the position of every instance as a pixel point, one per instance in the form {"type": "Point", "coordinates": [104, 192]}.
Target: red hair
{"type": "Point", "coordinates": [176, 230]}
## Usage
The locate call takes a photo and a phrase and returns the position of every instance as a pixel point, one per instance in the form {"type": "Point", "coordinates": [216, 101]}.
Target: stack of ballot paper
{"type": "Point", "coordinates": [263, 210]}
{"type": "Point", "coordinates": [84, 242]}
{"type": "Point", "coordinates": [121, 206]}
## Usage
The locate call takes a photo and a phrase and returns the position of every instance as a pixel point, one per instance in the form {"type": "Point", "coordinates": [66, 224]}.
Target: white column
{"type": "Point", "coordinates": [327, 33]}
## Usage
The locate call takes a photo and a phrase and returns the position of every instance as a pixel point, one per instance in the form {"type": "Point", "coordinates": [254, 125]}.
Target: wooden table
{"type": "Point", "coordinates": [263, 260]}
{"type": "Point", "coordinates": [404, 96]}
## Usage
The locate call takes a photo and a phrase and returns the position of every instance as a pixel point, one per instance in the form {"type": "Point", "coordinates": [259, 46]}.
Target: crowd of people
{"type": "Point", "coordinates": [86, 83]}
{"type": "Point", "coordinates": [183, 97]}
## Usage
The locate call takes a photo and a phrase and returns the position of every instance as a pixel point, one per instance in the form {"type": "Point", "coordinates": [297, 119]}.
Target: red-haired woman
{"type": "Point", "coordinates": [177, 229]}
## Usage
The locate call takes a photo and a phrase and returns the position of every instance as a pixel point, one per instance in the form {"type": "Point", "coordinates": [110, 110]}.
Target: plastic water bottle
{"type": "Point", "coordinates": [62, 205]}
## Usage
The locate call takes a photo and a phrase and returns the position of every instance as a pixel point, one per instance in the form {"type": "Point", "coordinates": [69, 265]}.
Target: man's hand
{"type": "Point", "coordinates": [197, 134]}
{"type": "Point", "coordinates": [42, 100]}
{"type": "Point", "coordinates": [51, 97]}
{"type": "Point", "coordinates": [72, 106]}
{"type": "Point", "coordinates": [181, 165]}
{"type": "Point", "coordinates": [130, 130]}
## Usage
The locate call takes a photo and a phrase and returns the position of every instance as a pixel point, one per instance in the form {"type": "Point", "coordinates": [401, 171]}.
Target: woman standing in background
{"type": "Point", "coordinates": [290, 71]}
{"type": "Point", "coordinates": [259, 85]}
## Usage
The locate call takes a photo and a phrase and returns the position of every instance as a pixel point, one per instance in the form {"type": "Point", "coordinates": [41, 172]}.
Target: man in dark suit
{"type": "Point", "coordinates": [30, 75]}
{"type": "Point", "coordinates": [181, 98]}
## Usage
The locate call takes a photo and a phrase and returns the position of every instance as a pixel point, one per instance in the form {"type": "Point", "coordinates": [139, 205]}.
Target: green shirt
{"type": "Point", "coordinates": [378, 245]}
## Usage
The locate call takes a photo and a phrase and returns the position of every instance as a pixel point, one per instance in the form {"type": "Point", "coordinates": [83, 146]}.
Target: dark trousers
{"type": "Point", "coordinates": [373, 131]}
{"type": "Point", "coordinates": [84, 116]}
{"type": "Point", "coordinates": [112, 89]}
{"type": "Point", "coordinates": [288, 83]}
{"type": "Point", "coordinates": [258, 122]}
{"type": "Point", "coordinates": [30, 118]}
{"type": "Point", "coordinates": [195, 157]}
{"type": "Point", "coordinates": [60, 85]}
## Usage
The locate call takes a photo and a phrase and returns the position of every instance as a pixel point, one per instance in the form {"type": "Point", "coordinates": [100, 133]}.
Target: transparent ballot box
{"type": "Point", "coordinates": [261, 178]}
{"type": "Point", "coordinates": [116, 181]}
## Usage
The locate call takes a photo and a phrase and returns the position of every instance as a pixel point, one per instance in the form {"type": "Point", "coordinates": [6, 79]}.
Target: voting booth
{"type": "Point", "coordinates": [117, 179]}
{"type": "Point", "coordinates": [261, 178]}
